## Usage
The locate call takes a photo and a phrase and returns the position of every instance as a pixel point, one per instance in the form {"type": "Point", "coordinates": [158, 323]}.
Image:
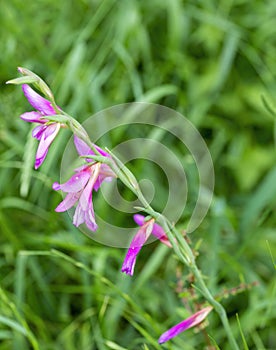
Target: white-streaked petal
{"type": "Point", "coordinates": [78, 217]}
{"type": "Point", "coordinates": [38, 131]}
{"type": "Point", "coordinates": [46, 139]}
{"type": "Point", "coordinates": [68, 202]}
{"type": "Point", "coordinates": [76, 183]}
{"type": "Point", "coordinates": [89, 217]}
{"type": "Point", "coordinates": [135, 246]}
{"type": "Point", "coordinates": [32, 117]}
{"type": "Point", "coordinates": [157, 230]}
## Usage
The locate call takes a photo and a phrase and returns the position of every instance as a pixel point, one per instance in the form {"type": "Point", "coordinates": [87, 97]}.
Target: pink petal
{"type": "Point", "coordinates": [75, 184]}
{"type": "Point", "coordinates": [81, 168]}
{"type": "Point", "coordinates": [157, 230]}
{"type": "Point", "coordinates": [56, 186]}
{"type": "Point", "coordinates": [38, 131]}
{"type": "Point", "coordinates": [38, 102]}
{"type": "Point", "coordinates": [89, 217]}
{"type": "Point", "coordinates": [106, 174]}
{"type": "Point", "coordinates": [135, 246]}
{"type": "Point", "coordinates": [68, 202]}
{"type": "Point", "coordinates": [86, 195]}
{"type": "Point", "coordinates": [139, 219]}
{"type": "Point", "coordinates": [32, 117]}
{"type": "Point", "coordinates": [192, 321]}
{"type": "Point", "coordinates": [86, 216]}
{"type": "Point", "coordinates": [106, 171]}
{"type": "Point", "coordinates": [102, 152]}
{"type": "Point", "coordinates": [46, 139]}
{"type": "Point", "coordinates": [78, 216]}
{"type": "Point", "coordinates": [142, 235]}
{"type": "Point", "coordinates": [85, 211]}
{"type": "Point", "coordinates": [83, 148]}
{"type": "Point", "coordinates": [130, 261]}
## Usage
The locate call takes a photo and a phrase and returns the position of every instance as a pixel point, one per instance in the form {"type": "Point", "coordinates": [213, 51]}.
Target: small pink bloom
{"type": "Point", "coordinates": [80, 186]}
{"type": "Point", "coordinates": [147, 228]}
{"type": "Point", "coordinates": [45, 132]}
{"type": "Point", "coordinates": [192, 321]}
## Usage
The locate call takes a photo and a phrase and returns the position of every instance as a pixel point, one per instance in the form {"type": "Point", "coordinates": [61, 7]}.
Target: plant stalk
{"type": "Point", "coordinates": [179, 244]}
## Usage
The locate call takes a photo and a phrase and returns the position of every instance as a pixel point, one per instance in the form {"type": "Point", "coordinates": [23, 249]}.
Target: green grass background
{"type": "Point", "coordinates": [214, 62]}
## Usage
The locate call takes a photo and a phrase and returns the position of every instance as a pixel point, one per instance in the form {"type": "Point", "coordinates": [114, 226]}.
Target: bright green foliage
{"type": "Point", "coordinates": [210, 60]}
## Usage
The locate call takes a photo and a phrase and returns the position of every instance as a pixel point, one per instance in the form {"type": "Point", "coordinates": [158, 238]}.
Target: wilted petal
{"type": "Point", "coordinates": [68, 202]}
{"type": "Point", "coordinates": [38, 102]}
{"type": "Point", "coordinates": [32, 117]}
{"type": "Point", "coordinates": [192, 321]}
{"type": "Point", "coordinates": [135, 246]}
{"type": "Point", "coordinates": [46, 139]}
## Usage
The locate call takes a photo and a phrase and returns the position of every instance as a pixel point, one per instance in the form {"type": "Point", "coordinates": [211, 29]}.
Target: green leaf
{"type": "Point", "coordinates": [23, 80]}
{"type": "Point", "coordinates": [13, 324]}
{"type": "Point", "coordinates": [242, 335]}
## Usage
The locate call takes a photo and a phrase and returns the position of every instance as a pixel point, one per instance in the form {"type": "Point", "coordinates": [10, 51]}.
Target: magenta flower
{"type": "Point", "coordinates": [192, 321]}
{"type": "Point", "coordinates": [147, 228]}
{"type": "Point", "coordinates": [80, 186]}
{"type": "Point", "coordinates": [46, 131]}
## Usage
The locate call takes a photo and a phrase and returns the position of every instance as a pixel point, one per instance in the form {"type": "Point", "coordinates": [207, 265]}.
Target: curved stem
{"type": "Point", "coordinates": [179, 244]}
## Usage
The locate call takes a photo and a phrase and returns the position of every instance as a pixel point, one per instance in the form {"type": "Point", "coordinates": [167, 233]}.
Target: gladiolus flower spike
{"type": "Point", "coordinates": [192, 321]}
{"type": "Point", "coordinates": [147, 228]}
{"type": "Point", "coordinates": [80, 186]}
{"type": "Point", "coordinates": [46, 131]}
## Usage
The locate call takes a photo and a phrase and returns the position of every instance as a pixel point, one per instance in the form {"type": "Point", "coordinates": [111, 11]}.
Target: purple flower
{"type": "Point", "coordinates": [46, 131]}
{"type": "Point", "coordinates": [147, 228]}
{"type": "Point", "coordinates": [80, 186]}
{"type": "Point", "coordinates": [192, 321]}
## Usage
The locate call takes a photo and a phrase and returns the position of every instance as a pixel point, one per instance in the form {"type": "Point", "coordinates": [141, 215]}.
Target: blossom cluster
{"type": "Point", "coordinates": [88, 178]}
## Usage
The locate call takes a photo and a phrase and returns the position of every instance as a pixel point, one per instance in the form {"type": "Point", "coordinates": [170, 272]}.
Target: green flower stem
{"type": "Point", "coordinates": [178, 242]}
